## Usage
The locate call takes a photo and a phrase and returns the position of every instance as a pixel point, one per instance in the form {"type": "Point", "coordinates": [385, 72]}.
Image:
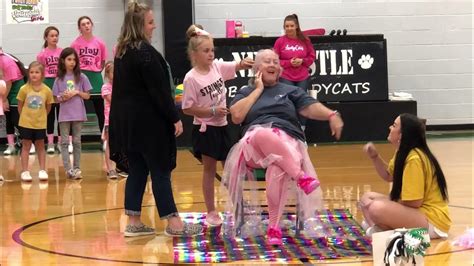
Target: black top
{"type": "Point", "coordinates": [142, 113]}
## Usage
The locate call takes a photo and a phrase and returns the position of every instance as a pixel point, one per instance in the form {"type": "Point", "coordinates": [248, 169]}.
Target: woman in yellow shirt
{"type": "Point", "coordinates": [419, 195]}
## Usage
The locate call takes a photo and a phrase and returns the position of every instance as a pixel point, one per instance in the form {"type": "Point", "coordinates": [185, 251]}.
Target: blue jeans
{"type": "Point", "coordinates": [302, 84]}
{"type": "Point", "coordinates": [140, 165]}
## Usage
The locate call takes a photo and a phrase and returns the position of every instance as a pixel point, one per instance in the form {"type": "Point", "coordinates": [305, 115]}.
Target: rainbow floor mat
{"type": "Point", "coordinates": [340, 237]}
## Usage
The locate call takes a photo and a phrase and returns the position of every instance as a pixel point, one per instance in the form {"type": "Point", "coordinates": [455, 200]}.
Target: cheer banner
{"type": "Point", "coordinates": [27, 11]}
{"type": "Point", "coordinates": [346, 69]}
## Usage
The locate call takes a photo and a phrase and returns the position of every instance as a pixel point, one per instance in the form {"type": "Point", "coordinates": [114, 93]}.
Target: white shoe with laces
{"type": "Point", "coordinates": [50, 149]}
{"type": "Point", "coordinates": [26, 176]}
{"type": "Point", "coordinates": [43, 175]}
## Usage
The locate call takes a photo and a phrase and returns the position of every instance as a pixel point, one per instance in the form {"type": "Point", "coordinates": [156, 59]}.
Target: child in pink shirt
{"type": "Point", "coordinates": [92, 55]}
{"type": "Point", "coordinates": [204, 97]}
{"type": "Point", "coordinates": [107, 95]}
{"type": "Point", "coordinates": [49, 57]}
{"type": "Point", "coordinates": [13, 77]}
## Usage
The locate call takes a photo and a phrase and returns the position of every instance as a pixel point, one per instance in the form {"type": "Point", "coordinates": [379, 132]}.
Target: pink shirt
{"type": "Point", "coordinates": [287, 48]}
{"type": "Point", "coordinates": [11, 72]}
{"type": "Point", "coordinates": [106, 90]}
{"type": "Point", "coordinates": [208, 90]}
{"type": "Point", "coordinates": [91, 53]}
{"type": "Point", "coordinates": [49, 58]}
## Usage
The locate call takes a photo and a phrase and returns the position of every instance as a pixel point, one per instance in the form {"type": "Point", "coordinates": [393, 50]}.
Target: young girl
{"type": "Point", "coordinates": [92, 54]}
{"type": "Point", "coordinates": [71, 88]}
{"type": "Point", "coordinates": [49, 57]}
{"type": "Point", "coordinates": [34, 104]}
{"type": "Point", "coordinates": [204, 97]}
{"type": "Point", "coordinates": [296, 54]}
{"type": "Point", "coordinates": [107, 95]}
{"type": "Point", "coordinates": [13, 76]}
{"type": "Point", "coordinates": [419, 196]}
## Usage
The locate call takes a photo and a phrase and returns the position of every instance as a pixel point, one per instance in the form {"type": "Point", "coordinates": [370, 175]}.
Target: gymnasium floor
{"type": "Point", "coordinates": [70, 222]}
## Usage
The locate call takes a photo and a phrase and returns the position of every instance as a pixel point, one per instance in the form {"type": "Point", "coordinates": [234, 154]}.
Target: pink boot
{"type": "Point", "coordinates": [274, 236]}
{"type": "Point", "coordinates": [307, 183]}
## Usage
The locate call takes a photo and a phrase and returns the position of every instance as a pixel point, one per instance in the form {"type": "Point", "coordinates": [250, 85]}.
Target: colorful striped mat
{"type": "Point", "coordinates": [341, 237]}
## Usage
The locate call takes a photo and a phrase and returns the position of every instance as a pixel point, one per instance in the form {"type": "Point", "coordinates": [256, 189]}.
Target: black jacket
{"type": "Point", "coordinates": [142, 113]}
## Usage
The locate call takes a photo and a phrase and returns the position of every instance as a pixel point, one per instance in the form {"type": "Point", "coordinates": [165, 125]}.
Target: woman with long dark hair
{"type": "Point", "coordinates": [419, 195]}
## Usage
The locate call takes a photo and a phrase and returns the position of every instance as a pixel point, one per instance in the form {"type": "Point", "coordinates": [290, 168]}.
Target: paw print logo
{"type": "Point", "coordinates": [366, 61]}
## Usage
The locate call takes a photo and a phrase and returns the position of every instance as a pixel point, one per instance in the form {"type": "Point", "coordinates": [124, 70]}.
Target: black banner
{"type": "Point", "coordinates": [345, 70]}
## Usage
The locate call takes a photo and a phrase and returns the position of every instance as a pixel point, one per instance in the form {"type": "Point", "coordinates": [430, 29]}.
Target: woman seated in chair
{"type": "Point", "coordinates": [268, 113]}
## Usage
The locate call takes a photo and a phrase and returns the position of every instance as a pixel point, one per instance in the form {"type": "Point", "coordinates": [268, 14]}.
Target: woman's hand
{"type": "Point", "coordinates": [178, 128]}
{"type": "Point", "coordinates": [258, 81]}
{"type": "Point", "coordinates": [336, 124]}
{"type": "Point", "coordinates": [370, 150]}
{"type": "Point", "coordinates": [296, 62]}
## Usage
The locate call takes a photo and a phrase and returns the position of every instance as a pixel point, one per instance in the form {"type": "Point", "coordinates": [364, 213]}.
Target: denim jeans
{"type": "Point", "coordinates": [140, 165]}
{"type": "Point", "coordinates": [75, 128]}
{"type": "Point", "coordinates": [302, 84]}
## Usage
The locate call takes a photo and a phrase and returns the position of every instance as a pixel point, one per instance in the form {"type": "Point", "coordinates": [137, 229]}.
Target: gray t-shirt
{"type": "Point", "coordinates": [278, 105]}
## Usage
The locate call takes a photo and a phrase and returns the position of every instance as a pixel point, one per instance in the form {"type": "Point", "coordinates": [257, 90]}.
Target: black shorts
{"type": "Point", "coordinates": [32, 134]}
{"type": "Point", "coordinates": [215, 142]}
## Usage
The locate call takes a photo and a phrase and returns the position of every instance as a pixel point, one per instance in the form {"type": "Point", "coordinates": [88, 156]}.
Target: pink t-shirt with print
{"type": "Point", "coordinates": [49, 58]}
{"type": "Point", "coordinates": [106, 90]}
{"type": "Point", "coordinates": [11, 72]}
{"type": "Point", "coordinates": [208, 90]}
{"type": "Point", "coordinates": [91, 53]}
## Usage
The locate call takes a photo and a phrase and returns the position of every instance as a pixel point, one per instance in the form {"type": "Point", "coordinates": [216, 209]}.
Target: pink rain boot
{"type": "Point", "coordinates": [274, 236]}
{"type": "Point", "coordinates": [307, 183]}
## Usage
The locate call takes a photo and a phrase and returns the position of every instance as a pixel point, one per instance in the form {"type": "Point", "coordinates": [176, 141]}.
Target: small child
{"type": "Point", "coordinates": [34, 104]}
{"type": "Point", "coordinates": [107, 95]}
{"type": "Point", "coordinates": [204, 97]}
{"type": "Point", "coordinates": [71, 88]}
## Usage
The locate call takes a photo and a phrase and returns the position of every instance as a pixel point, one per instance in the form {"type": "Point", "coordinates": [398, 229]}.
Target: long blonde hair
{"type": "Point", "coordinates": [195, 38]}
{"type": "Point", "coordinates": [132, 33]}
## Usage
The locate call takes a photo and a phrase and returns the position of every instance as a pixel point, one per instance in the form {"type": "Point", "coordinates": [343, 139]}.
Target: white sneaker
{"type": "Point", "coordinates": [10, 150]}
{"type": "Point", "coordinates": [50, 149]}
{"type": "Point", "coordinates": [43, 175]}
{"type": "Point", "coordinates": [69, 148]}
{"type": "Point", "coordinates": [32, 149]}
{"type": "Point", "coordinates": [25, 176]}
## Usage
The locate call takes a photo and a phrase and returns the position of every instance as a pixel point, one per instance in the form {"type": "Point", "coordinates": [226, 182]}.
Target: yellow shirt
{"type": "Point", "coordinates": [34, 114]}
{"type": "Point", "coordinates": [419, 182]}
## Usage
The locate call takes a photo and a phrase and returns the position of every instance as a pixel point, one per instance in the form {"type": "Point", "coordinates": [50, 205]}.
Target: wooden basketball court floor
{"type": "Point", "coordinates": [69, 222]}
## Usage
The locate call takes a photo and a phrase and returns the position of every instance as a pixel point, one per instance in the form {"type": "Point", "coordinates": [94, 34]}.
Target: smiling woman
{"type": "Point", "coordinates": [144, 123]}
{"type": "Point", "coordinates": [268, 111]}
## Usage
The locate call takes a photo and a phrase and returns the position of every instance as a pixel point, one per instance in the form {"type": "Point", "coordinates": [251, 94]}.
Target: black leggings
{"type": "Point", "coordinates": [98, 103]}
{"type": "Point", "coordinates": [12, 118]}
{"type": "Point", "coordinates": [52, 118]}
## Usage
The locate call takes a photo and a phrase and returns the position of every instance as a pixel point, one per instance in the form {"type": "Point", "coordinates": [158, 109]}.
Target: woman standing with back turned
{"type": "Point", "coordinates": [144, 123]}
